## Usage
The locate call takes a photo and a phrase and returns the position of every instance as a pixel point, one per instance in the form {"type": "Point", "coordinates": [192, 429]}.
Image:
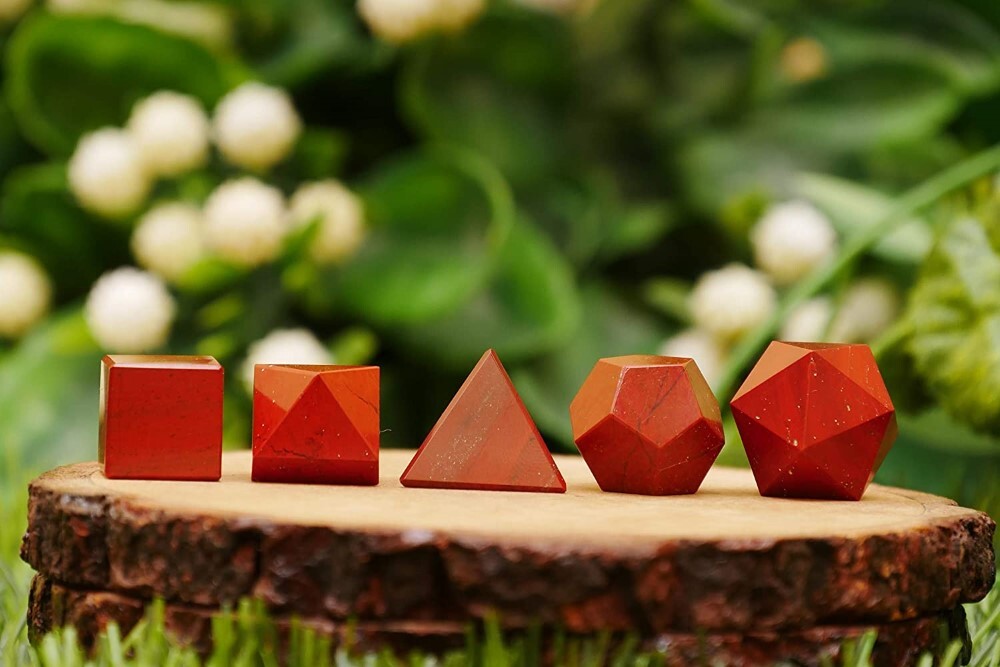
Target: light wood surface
{"type": "Point", "coordinates": [724, 559]}
{"type": "Point", "coordinates": [726, 506]}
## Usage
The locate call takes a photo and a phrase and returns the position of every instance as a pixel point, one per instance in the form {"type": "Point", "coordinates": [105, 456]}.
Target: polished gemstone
{"type": "Point", "coordinates": [815, 419]}
{"type": "Point", "coordinates": [161, 417]}
{"type": "Point", "coordinates": [485, 440]}
{"type": "Point", "coordinates": [647, 424]}
{"type": "Point", "coordinates": [316, 424]}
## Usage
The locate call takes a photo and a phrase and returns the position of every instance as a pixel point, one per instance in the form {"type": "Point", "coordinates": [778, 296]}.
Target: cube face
{"type": "Point", "coordinates": [161, 417]}
{"type": "Point", "coordinates": [316, 424]}
{"type": "Point", "coordinates": [815, 419]}
{"type": "Point", "coordinates": [647, 425]}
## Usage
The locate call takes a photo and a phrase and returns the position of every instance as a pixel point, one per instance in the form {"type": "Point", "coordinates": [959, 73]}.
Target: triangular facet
{"type": "Point", "coordinates": [769, 454]}
{"type": "Point", "coordinates": [275, 390]}
{"type": "Point", "coordinates": [778, 403]}
{"type": "Point", "coordinates": [776, 357]}
{"type": "Point", "coordinates": [835, 403]}
{"type": "Point", "coordinates": [357, 392]}
{"type": "Point", "coordinates": [858, 363]}
{"type": "Point", "coordinates": [310, 426]}
{"type": "Point", "coordinates": [485, 440]}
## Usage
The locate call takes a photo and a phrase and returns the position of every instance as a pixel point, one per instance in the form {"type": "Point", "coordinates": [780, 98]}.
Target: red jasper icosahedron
{"type": "Point", "coordinates": [485, 440]}
{"type": "Point", "coordinates": [816, 420]}
{"type": "Point", "coordinates": [161, 417]}
{"type": "Point", "coordinates": [647, 424]}
{"type": "Point", "coordinates": [316, 424]}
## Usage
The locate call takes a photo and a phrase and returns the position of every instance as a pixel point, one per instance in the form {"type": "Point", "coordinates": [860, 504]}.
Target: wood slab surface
{"type": "Point", "coordinates": [724, 559]}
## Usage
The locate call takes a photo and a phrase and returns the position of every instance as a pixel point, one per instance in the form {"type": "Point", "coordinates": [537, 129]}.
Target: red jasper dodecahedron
{"type": "Point", "coordinates": [647, 424]}
{"type": "Point", "coordinates": [816, 420]}
{"type": "Point", "coordinates": [316, 424]}
{"type": "Point", "coordinates": [161, 417]}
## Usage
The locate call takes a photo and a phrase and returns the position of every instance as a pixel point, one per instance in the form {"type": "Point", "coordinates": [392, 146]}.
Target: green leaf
{"type": "Point", "coordinates": [669, 296]}
{"type": "Point", "coordinates": [13, 150]}
{"type": "Point", "coordinates": [861, 108]}
{"type": "Point", "coordinates": [955, 311]}
{"type": "Point", "coordinates": [438, 220]}
{"type": "Point", "coordinates": [494, 89]}
{"type": "Point", "coordinates": [354, 346]}
{"type": "Point", "coordinates": [315, 36]}
{"type": "Point", "coordinates": [530, 306]}
{"type": "Point", "coordinates": [609, 325]}
{"type": "Point", "coordinates": [592, 222]}
{"type": "Point", "coordinates": [721, 169]}
{"type": "Point", "coordinates": [49, 394]}
{"type": "Point", "coordinates": [935, 454]}
{"type": "Point", "coordinates": [945, 38]}
{"type": "Point", "coordinates": [320, 153]}
{"type": "Point", "coordinates": [39, 214]}
{"type": "Point", "coordinates": [67, 75]}
{"type": "Point", "coordinates": [852, 207]}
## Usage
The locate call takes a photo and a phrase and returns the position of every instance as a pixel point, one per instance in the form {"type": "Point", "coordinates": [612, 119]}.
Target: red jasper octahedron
{"type": "Point", "coordinates": [816, 420]}
{"type": "Point", "coordinates": [647, 424]}
{"type": "Point", "coordinates": [161, 417]}
{"type": "Point", "coordinates": [316, 424]}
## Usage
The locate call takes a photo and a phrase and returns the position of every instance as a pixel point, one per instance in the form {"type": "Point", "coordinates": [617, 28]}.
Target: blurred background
{"type": "Point", "coordinates": [409, 182]}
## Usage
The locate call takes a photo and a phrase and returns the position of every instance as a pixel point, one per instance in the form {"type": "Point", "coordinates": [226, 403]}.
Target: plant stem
{"type": "Point", "coordinates": [912, 201]}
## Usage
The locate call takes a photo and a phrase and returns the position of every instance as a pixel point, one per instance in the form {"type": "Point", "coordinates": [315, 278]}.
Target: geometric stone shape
{"type": "Point", "coordinates": [161, 417]}
{"type": "Point", "coordinates": [816, 420]}
{"type": "Point", "coordinates": [485, 440]}
{"type": "Point", "coordinates": [647, 425]}
{"type": "Point", "coordinates": [315, 424]}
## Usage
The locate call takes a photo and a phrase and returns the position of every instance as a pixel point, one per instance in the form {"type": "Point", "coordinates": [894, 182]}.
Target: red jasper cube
{"type": "Point", "coordinates": [316, 424]}
{"type": "Point", "coordinates": [647, 424]}
{"type": "Point", "coordinates": [161, 417]}
{"type": "Point", "coordinates": [816, 420]}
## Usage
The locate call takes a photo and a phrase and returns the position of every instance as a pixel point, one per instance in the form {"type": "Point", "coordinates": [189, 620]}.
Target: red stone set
{"type": "Point", "coordinates": [815, 419]}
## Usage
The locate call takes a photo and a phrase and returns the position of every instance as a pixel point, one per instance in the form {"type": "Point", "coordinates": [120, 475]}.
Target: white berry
{"type": "Point", "coordinates": [453, 15]}
{"type": "Point", "coordinates": [401, 21]}
{"type": "Point", "coordinates": [25, 295]}
{"type": "Point", "coordinates": [129, 311]}
{"type": "Point", "coordinates": [170, 132]}
{"type": "Point", "coordinates": [255, 126]}
{"type": "Point", "coordinates": [868, 309]}
{"type": "Point", "coordinates": [732, 300]}
{"type": "Point", "coordinates": [808, 322]}
{"type": "Point", "coordinates": [285, 346]}
{"type": "Point", "coordinates": [791, 240]}
{"type": "Point", "coordinates": [168, 239]}
{"type": "Point", "coordinates": [340, 216]}
{"type": "Point", "coordinates": [245, 221]}
{"type": "Point", "coordinates": [700, 346]}
{"type": "Point", "coordinates": [107, 175]}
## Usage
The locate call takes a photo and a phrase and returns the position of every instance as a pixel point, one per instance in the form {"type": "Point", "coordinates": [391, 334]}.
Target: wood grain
{"type": "Point", "coordinates": [722, 560]}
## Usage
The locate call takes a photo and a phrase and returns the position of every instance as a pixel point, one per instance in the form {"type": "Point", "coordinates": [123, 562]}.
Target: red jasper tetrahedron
{"type": "Point", "coordinates": [485, 440]}
{"type": "Point", "coordinates": [647, 424]}
{"type": "Point", "coordinates": [161, 417]}
{"type": "Point", "coordinates": [816, 420]}
{"type": "Point", "coordinates": [316, 424]}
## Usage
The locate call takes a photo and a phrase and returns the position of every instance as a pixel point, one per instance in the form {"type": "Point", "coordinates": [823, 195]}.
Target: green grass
{"type": "Point", "coordinates": [244, 637]}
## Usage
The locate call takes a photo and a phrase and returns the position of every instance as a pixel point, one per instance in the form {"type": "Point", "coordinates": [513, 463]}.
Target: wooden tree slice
{"type": "Point", "coordinates": [722, 560]}
{"type": "Point", "coordinates": [901, 643]}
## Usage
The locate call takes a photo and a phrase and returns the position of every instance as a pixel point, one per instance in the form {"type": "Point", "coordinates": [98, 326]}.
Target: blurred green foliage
{"type": "Point", "coordinates": [546, 185]}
